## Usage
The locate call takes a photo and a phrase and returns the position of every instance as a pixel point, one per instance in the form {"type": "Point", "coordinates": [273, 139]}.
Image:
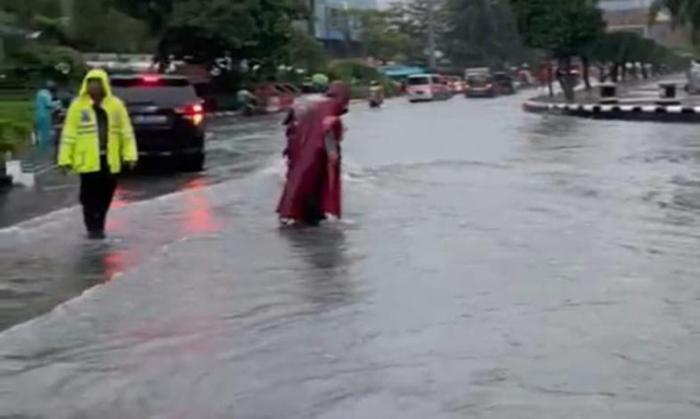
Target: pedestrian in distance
{"type": "Point", "coordinates": [45, 104]}
{"type": "Point", "coordinates": [312, 192]}
{"type": "Point", "coordinates": [97, 142]}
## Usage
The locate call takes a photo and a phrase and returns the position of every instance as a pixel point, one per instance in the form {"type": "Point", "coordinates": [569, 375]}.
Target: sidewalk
{"type": "Point", "coordinates": [51, 191]}
{"type": "Point", "coordinates": [630, 91]}
{"type": "Point", "coordinates": [636, 101]}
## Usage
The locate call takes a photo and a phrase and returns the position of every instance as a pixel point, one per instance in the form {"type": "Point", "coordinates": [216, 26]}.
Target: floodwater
{"type": "Point", "coordinates": [492, 264]}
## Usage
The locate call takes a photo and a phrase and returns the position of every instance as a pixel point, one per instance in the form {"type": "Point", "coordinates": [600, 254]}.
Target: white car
{"type": "Point", "coordinates": [427, 87]}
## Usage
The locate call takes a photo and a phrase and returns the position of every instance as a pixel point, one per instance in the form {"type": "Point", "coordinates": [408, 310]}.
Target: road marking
{"type": "Point", "coordinates": [59, 187]}
{"type": "Point", "coordinates": [648, 108]}
{"type": "Point", "coordinates": [45, 169]}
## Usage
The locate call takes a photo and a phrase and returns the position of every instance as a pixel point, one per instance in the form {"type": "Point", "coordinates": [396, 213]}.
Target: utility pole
{"type": "Point", "coordinates": [431, 35]}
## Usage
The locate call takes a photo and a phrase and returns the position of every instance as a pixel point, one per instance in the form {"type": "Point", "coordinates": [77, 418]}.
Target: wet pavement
{"type": "Point", "coordinates": [234, 149]}
{"type": "Point", "coordinates": [493, 264]}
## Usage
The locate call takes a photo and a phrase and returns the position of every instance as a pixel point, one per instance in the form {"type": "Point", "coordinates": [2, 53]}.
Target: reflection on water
{"type": "Point", "coordinates": [197, 212]}
{"type": "Point", "coordinates": [323, 249]}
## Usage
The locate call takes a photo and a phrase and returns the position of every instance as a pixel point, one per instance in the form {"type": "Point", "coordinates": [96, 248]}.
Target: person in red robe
{"type": "Point", "coordinates": [312, 192]}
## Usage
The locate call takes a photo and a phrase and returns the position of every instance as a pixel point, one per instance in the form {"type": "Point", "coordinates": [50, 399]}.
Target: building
{"type": "Point", "coordinates": [336, 26]}
{"type": "Point", "coordinates": [633, 16]}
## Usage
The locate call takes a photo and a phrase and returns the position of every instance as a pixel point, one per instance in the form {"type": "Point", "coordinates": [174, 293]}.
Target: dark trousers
{"type": "Point", "coordinates": [96, 193]}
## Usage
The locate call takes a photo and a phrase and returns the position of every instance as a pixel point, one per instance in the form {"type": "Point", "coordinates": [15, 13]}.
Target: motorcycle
{"type": "Point", "coordinates": [376, 97]}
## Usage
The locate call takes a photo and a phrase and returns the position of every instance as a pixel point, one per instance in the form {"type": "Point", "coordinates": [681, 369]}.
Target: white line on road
{"type": "Point", "coordinates": [45, 169]}
{"type": "Point", "coordinates": [59, 187]}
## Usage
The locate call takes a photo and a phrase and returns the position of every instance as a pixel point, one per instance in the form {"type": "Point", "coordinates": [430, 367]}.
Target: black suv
{"type": "Point", "coordinates": [167, 115]}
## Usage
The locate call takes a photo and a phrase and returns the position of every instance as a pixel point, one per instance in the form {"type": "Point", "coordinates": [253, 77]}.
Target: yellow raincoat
{"type": "Point", "coordinates": [80, 149]}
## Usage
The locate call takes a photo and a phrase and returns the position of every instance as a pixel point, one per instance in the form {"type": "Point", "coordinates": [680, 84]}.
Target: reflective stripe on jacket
{"type": "Point", "coordinates": [80, 144]}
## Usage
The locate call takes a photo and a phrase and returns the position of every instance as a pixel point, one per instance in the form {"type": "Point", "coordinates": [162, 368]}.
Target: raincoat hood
{"type": "Point", "coordinates": [339, 93]}
{"type": "Point", "coordinates": [96, 74]}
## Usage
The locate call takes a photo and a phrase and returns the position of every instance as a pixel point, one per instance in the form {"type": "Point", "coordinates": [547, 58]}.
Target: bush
{"type": "Point", "coordinates": [358, 76]}
{"type": "Point", "coordinates": [353, 72]}
{"type": "Point", "coordinates": [16, 125]}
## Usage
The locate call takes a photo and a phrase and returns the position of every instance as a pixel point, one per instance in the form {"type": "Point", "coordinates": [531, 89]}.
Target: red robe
{"type": "Point", "coordinates": [313, 187]}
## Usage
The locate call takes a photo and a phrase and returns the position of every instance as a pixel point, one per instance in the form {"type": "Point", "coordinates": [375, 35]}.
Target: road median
{"type": "Point", "coordinates": [636, 101]}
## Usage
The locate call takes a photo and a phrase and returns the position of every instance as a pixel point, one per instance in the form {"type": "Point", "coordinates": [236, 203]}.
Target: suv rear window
{"type": "Point", "coordinates": [418, 81]}
{"type": "Point", "coordinates": [164, 92]}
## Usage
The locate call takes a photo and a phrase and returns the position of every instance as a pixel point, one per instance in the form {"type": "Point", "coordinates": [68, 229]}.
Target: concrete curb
{"type": "Point", "coordinates": [637, 112]}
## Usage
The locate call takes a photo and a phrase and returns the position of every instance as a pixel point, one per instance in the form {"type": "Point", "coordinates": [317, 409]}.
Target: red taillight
{"type": "Point", "coordinates": [194, 113]}
{"type": "Point", "coordinates": [149, 78]}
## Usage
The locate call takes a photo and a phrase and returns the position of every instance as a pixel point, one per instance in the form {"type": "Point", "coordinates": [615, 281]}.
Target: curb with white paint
{"type": "Point", "coordinates": [646, 112]}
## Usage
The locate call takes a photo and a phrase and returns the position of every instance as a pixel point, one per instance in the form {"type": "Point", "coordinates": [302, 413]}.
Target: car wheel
{"type": "Point", "coordinates": [192, 162]}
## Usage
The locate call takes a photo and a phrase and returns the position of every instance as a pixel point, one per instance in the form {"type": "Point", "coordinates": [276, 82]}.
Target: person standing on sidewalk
{"type": "Point", "coordinates": [97, 141]}
{"type": "Point", "coordinates": [45, 105]}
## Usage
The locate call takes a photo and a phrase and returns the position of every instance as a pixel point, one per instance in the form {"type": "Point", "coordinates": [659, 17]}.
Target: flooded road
{"type": "Point", "coordinates": [493, 264]}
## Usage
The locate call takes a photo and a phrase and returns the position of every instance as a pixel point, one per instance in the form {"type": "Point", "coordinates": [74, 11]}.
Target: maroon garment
{"type": "Point", "coordinates": [313, 187]}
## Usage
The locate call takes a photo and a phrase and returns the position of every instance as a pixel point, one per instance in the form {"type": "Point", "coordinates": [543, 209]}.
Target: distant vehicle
{"type": "Point", "coordinates": [427, 87]}
{"type": "Point", "coordinates": [456, 83]}
{"type": "Point", "coordinates": [167, 115]}
{"type": "Point", "coordinates": [694, 78]}
{"type": "Point", "coordinates": [504, 83]}
{"type": "Point", "coordinates": [477, 71]}
{"type": "Point", "coordinates": [479, 86]}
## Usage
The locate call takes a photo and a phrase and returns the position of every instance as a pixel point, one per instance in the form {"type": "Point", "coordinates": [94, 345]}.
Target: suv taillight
{"type": "Point", "coordinates": [194, 113]}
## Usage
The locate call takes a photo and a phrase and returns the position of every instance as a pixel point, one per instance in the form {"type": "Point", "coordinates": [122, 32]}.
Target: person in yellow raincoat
{"type": "Point", "coordinates": [97, 142]}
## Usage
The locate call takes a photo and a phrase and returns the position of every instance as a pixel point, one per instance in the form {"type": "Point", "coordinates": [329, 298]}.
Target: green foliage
{"type": "Point", "coordinates": [96, 26]}
{"type": "Point", "coordinates": [155, 13]}
{"type": "Point", "coordinates": [209, 29]}
{"type": "Point", "coordinates": [306, 52]}
{"type": "Point", "coordinates": [411, 20]}
{"type": "Point", "coordinates": [383, 37]}
{"type": "Point", "coordinates": [563, 28]}
{"type": "Point", "coordinates": [483, 32]}
{"type": "Point", "coordinates": [16, 124]}
{"type": "Point", "coordinates": [352, 71]}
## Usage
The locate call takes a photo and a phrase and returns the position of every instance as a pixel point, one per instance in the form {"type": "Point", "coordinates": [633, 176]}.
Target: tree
{"type": "Point", "coordinates": [306, 52]}
{"type": "Point", "coordinates": [156, 13]}
{"type": "Point", "coordinates": [204, 30]}
{"type": "Point", "coordinates": [83, 24]}
{"type": "Point", "coordinates": [564, 29]}
{"type": "Point", "coordinates": [683, 12]}
{"type": "Point", "coordinates": [411, 20]}
{"type": "Point", "coordinates": [382, 38]}
{"type": "Point", "coordinates": [482, 32]}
